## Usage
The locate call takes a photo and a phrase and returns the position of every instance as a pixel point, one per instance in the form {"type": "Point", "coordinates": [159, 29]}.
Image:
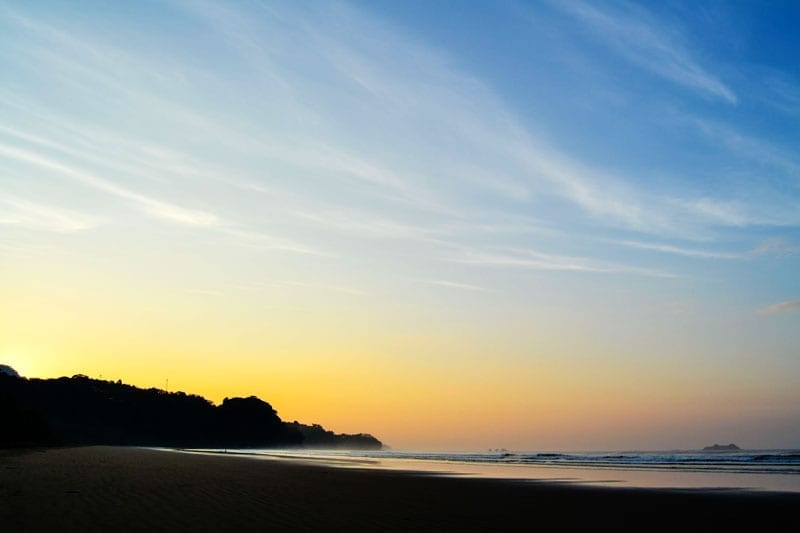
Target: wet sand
{"type": "Point", "coordinates": [130, 489]}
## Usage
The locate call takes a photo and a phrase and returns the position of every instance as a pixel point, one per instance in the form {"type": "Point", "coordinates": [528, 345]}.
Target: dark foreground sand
{"type": "Point", "coordinates": [128, 489]}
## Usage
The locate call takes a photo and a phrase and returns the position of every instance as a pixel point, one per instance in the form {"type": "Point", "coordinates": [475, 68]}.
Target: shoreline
{"type": "Point", "coordinates": [632, 475]}
{"type": "Point", "coordinates": [140, 489]}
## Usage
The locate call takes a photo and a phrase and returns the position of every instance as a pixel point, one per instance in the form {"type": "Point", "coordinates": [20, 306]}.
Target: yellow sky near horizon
{"type": "Point", "coordinates": [467, 385]}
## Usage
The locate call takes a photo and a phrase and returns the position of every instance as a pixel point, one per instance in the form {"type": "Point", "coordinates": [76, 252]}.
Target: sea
{"type": "Point", "coordinates": [758, 470]}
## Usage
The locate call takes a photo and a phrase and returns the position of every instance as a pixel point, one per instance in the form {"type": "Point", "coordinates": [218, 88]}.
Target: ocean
{"type": "Point", "coordinates": [771, 470]}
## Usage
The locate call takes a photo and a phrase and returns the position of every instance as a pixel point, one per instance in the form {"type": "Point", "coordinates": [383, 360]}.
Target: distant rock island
{"type": "Point", "coordinates": [84, 411]}
{"type": "Point", "coordinates": [721, 448]}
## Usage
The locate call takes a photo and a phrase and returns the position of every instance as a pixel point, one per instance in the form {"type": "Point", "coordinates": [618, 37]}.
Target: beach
{"type": "Point", "coordinates": [135, 489]}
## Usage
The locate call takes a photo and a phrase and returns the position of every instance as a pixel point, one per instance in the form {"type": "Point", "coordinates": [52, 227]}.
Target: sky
{"type": "Point", "coordinates": [545, 225]}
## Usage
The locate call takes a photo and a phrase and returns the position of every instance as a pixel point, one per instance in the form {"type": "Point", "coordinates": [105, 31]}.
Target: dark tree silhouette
{"type": "Point", "coordinates": [7, 370]}
{"type": "Point", "coordinates": [316, 436]}
{"type": "Point", "coordinates": [80, 410]}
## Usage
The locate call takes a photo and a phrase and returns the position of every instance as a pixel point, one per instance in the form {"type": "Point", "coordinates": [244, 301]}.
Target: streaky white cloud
{"type": "Point", "coordinates": [536, 260]}
{"type": "Point", "coordinates": [366, 224]}
{"type": "Point", "coordinates": [454, 103]}
{"type": "Point", "coordinates": [750, 147]}
{"type": "Point", "coordinates": [781, 307]}
{"type": "Point", "coordinates": [772, 209]}
{"type": "Point", "coordinates": [332, 217]}
{"type": "Point", "coordinates": [265, 286]}
{"type": "Point", "coordinates": [320, 286]}
{"type": "Point", "coordinates": [400, 125]}
{"type": "Point", "coordinates": [125, 157]}
{"type": "Point", "coordinates": [264, 240]}
{"type": "Point", "coordinates": [669, 249]}
{"type": "Point", "coordinates": [454, 285]}
{"type": "Point", "coordinates": [455, 114]}
{"type": "Point", "coordinates": [154, 87]}
{"type": "Point", "coordinates": [783, 94]}
{"type": "Point", "coordinates": [613, 200]}
{"type": "Point", "coordinates": [447, 232]}
{"type": "Point", "coordinates": [152, 206]}
{"type": "Point", "coordinates": [137, 158]}
{"type": "Point", "coordinates": [339, 160]}
{"type": "Point", "coordinates": [502, 224]}
{"type": "Point", "coordinates": [329, 153]}
{"type": "Point", "coordinates": [24, 213]}
{"type": "Point", "coordinates": [141, 160]}
{"type": "Point", "coordinates": [647, 44]}
{"type": "Point", "coordinates": [717, 211]}
{"type": "Point", "coordinates": [775, 246]}
{"type": "Point", "coordinates": [495, 134]}
{"type": "Point", "coordinates": [600, 194]}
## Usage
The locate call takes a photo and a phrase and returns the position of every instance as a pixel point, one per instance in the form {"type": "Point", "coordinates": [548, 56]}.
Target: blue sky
{"type": "Point", "coordinates": [621, 172]}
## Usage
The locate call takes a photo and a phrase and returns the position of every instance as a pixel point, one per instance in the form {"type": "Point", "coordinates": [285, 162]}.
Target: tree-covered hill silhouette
{"type": "Point", "coordinates": [82, 411]}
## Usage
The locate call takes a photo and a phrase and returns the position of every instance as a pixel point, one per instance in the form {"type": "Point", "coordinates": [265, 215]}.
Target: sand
{"type": "Point", "coordinates": [129, 489]}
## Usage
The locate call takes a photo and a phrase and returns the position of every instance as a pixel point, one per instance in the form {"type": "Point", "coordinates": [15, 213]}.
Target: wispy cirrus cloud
{"type": "Point", "coordinates": [308, 285]}
{"type": "Point", "coordinates": [677, 250]}
{"type": "Point", "coordinates": [24, 213]}
{"type": "Point", "coordinates": [454, 285]}
{"type": "Point", "coordinates": [260, 239]}
{"type": "Point", "coordinates": [643, 42]}
{"type": "Point", "coordinates": [536, 260]}
{"type": "Point", "coordinates": [455, 114]}
{"type": "Point", "coordinates": [781, 307]}
{"type": "Point", "coordinates": [366, 224]}
{"type": "Point", "coordinates": [355, 146]}
{"type": "Point", "coordinates": [783, 93]}
{"type": "Point", "coordinates": [775, 246]}
{"type": "Point", "coordinates": [320, 286]}
{"type": "Point", "coordinates": [748, 146]}
{"type": "Point", "coordinates": [152, 206]}
{"type": "Point", "coordinates": [376, 90]}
